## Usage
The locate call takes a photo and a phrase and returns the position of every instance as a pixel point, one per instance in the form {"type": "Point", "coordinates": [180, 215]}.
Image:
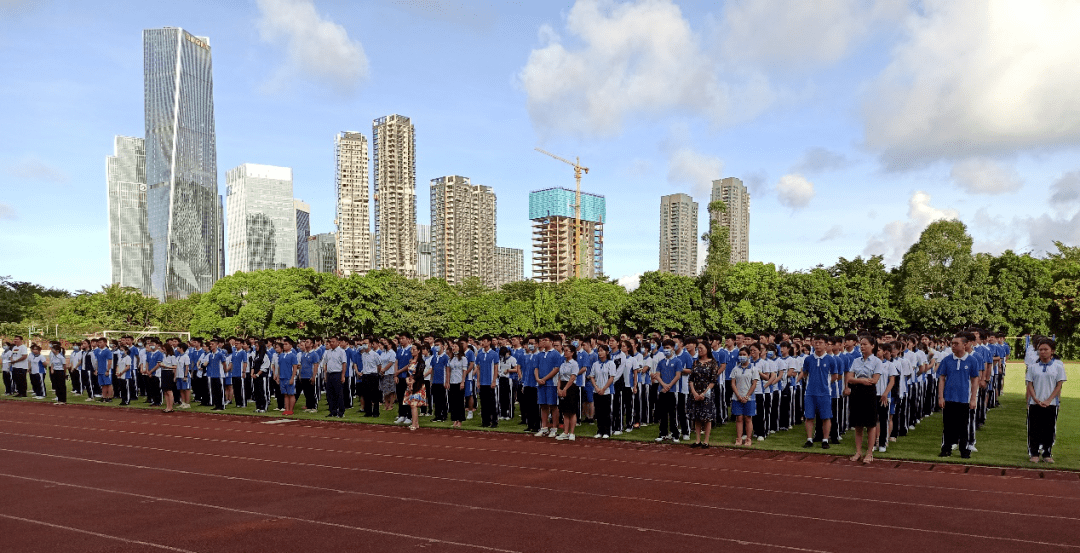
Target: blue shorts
{"type": "Point", "coordinates": [547, 395]}
{"type": "Point", "coordinates": [468, 388]}
{"type": "Point", "coordinates": [817, 407]}
{"type": "Point", "coordinates": [183, 384]}
{"type": "Point", "coordinates": [747, 409]}
{"type": "Point", "coordinates": [104, 380]}
{"type": "Point", "coordinates": [588, 392]}
{"type": "Point", "coordinates": [288, 389]}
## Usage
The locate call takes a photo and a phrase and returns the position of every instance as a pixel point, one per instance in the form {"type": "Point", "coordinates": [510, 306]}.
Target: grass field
{"type": "Point", "coordinates": [1002, 442]}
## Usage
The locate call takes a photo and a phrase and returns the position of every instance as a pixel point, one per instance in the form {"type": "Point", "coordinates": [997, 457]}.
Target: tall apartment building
{"type": "Point", "coordinates": [129, 238]}
{"type": "Point", "coordinates": [353, 226]}
{"type": "Point", "coordinates": [424, 249]}
{"type": "Point", "coordinates": [678, 234]}
{"type": "Point", "coordinates": [509, 265]}
{"type": "Point", "coordinates": [737, 218]}
{"type": "Point", "coordinates": [303, 232]}
{"type": "Point", "coordinates": [261, 216]}
{"type": "Point", "coordinates": [553, 215]}
{"type": "Point", "coordinates": [184, 215]}
{"type": "Point", "coordinates": [463, 229]}
{"type": "Point", "coordinates": [322, 252]}
{"type": "Point", "coordinates": [393, 145]}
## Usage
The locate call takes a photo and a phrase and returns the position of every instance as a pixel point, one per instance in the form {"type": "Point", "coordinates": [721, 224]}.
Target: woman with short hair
{"type": "Point", "coordinates": [1044, 380]}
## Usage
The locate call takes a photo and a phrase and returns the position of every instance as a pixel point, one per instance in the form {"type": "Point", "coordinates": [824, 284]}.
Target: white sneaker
{"type": "Point", "coordinates": [606, 436]}
{"type": "Point", "coordinates": [468, 416]}
{"type": "Point", "coordinates": [541, 433]}
{"type": "Point", "coordinates": [629, 430]}
{"type": "Point", "coordinates": [554, 433]}
{"type": "Point", "coordinates": [399, 420]}
{"type": "Point", "coordinates": [675, 439]}
{"type": "Point", "coordinates": [563, 436]}
{"type": "Point", "coordinates": [89, 399]}
{"type": "Point", "coordinates": [761, 438]}
{"type": "Point", "coordinates": [616, 433]}
{"type": "Point", "coordinates": [955, 447]}
{"type": "Point", "coordinates": [881, 450]}
{"type": "Point", "coordinates": [686, 437]}
{"type": "Point", "coordinates": [659, 440]}
{"type": "Point", "coordinates": [972, 449]}
{"type": "Point", "coordinates": [598, 436]}
{"type": "Point", "coordinates": [572, 438]}
{"type": "Point", "coordinates": [408, 421]}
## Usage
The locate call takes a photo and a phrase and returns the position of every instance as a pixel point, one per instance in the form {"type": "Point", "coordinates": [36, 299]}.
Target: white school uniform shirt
{"type": "Point", "coordinates": [568, 371]}
{"type": "Point", "coordinates": [458, 366]}
{"type": "Point", "coordinates": [760, 366]}
{"type": "Point", "coordinates": [1031, 355]}
{"type": "Point", "coordinates": [168, 363]}
{"type": "Point", "coordinates": [1044, 378]}
{"type": "Point", "coordinates": [903, 367]}
{"type": "Point", "coordinates": [77, 359]}
{"type": "Point", "coordinates": [505, 365]}
{"type": "Point", "coordinates": [885, 370]}
{"type": "Point", "coordinates": [35, 363]}
{"type": "Point", "coordinates": [56, 361]}
{"type": "Point", "coordinates": [182, 364]}
{"type": "Point", "coordinates": [6, 357]}
{"type": "Point", "coordinates": [123, 368]}
{"type": "Point", "coordinates": [601, 371]}
{"type": "Point", "coordinates": [370, 361]}
{"type": "Point", "coordinates": [743, 377]}
{"type": "Point", "coordinates": [631, 364]}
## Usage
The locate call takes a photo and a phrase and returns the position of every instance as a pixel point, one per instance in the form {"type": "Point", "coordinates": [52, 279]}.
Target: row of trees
{"type": "Point", "coordinates": [940, 286]}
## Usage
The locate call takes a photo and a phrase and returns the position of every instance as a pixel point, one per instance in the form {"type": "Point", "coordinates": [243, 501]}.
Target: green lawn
{"type": "Point", "coordinates": [1002, 442]}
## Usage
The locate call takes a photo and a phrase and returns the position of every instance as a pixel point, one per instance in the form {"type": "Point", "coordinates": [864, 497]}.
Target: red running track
{"type": "Point", "coordinates": [86, 478]}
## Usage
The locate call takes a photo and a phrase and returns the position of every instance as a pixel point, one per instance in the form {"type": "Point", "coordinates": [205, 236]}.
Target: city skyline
{"type": "Point", "coordinates": [843, 157]}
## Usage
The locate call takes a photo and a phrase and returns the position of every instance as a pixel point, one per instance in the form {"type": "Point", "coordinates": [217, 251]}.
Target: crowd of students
{"type": "Point", "coordinates": [880, 385]}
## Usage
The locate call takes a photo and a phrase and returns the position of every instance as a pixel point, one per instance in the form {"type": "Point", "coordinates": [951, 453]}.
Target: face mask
{"type": "Point", "coordinates": [770, 355]}
{"type": "Point", "coordinates": [152, 348]}
{"type": "Point", "coordinates": [669, 352]}
{"type": "Point", "coordinates": [76, 348]}
{"type": "Point", "coordinates": [532, 347]}
{"type": "Point", "coordinates": [575, 343]}
{"type": "Point", "coordinates": [744, 359]}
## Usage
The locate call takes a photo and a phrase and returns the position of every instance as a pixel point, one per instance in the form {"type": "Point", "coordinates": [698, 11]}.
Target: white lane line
{"type": "Point", "coordinates": [664, 481]}
{"type": "Point", "coordinates": [241, 511]}
{"type": "Point", "coordinates": [521, 486]}
{"type": "Point", "coordinates": [467, 435]}
{"type": "Point", "coordinates": [88, 532]}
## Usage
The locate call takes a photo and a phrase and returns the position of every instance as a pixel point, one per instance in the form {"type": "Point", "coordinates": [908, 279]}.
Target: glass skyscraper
{"type": "Point", "coordinates": [182, 201]}
{"type": "Point", "coordinates": [303, 233]}
{"type": "Point", "coordinates": [129, 238]}
{"type": "Point", "coordinates": [261, 218]}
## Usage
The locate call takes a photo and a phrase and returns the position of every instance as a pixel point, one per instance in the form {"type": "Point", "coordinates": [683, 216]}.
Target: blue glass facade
{"type": "Point", "coordinates": [559, 202]}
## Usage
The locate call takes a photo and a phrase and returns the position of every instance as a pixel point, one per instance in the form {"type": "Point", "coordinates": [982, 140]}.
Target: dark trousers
{"type": "Point", "coordinates": [347, 393]}
{"type": "Point", "coordinates": [643, 408]}
{"type": "Point", "coordinates": [530, 410]}
{"type": "Point", "coordinates": [603, 413]}
{"type": "Point", "coordinates": [506, 397]}
{"type": "Point", "coordinates": [335, 399]}
{"type": "Point", "coordinates": [774, 412]}
{"type": "Point", "coordinates": [19, 377]}
{"type": "Point", "coordinates": [786, 419]}
{"type": "Point", "coordinates": [59, 384]}
{"type": "Point", "coordinates": [131, 387]}
{"type": "Point", "coordinates": [759, 416]}
{"type": "Point", "coordinates": [217, 393]}
{"type": "Point", "coordinates": [239, 399]}
{"type": "Point", "coordinates": [439, 406]}
{"type": "Point", "coordinates": [1042, 429]}
{"type": "Point", "coordinates": [307, 387]}
{"type": "Point", "coordinates": [457, 403]}
{"type": "Point", "coordinates": [201, 387]}
{"type": "Point", "coordinates": [980, 407]}
{"type": "Point", "coordinates": [489, 414]}
{"type": "Point", "coordinates": [654, 400]}
{"type": "Point", "coordinates": [617, 391]}
{"type": "Point", "coordinates": [151, 387]}
{"type": "Point", "coordinates": [720, 401]}
{"type": "Point", "coordinates": [834, 432]}
{"type": "Point", "coordinates": [356, 390]}
{"type": "Point", "coordinates": [76, 381]}
{"type": "Point", "coordinates": [626, 409]}
{"type": "Point", "coordinates": [122, 389]}
{"type": "Point", "coordinates": [402, 409]}
{"type": "Point", "coordinates": [9, 384]}
{"type": "Point", "coordinates": [799, 399]}
{"type": "Point", "coordinates": [37, 381]}
{"type": "Point", "coordinates": [883, 424]}
{"type": "Point", "coordinates": [260, 391]}
{"type": "Point", "coordinates": [91, 383]}
{"type": "Point", "coordinates": [140, 384]}
{"type": "Point", "coordinates": [682, 417]}
{"type": "Point", "coordinates": [369, 383]}
{"type": "Point", "coordinates": [665, 413]}
{"type": "Point", "coordinates": [954, 419]}
{"type": "Point", "coordinates": [278, 396]}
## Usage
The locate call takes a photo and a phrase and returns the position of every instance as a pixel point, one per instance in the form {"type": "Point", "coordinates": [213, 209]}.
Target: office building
{"type": "Point", "coordinates": [732, 192]}
{"type": "Point", "coordinates": [393, 146]}
{"type": "Point", "coordinates": [129, 237]}
{"type": "Point", "coordinates": [463, 229]}
{"type": "Point", "coordinates": [184, 215]}
{"type": "Point", "coordinates": [261, 218]}
{"type": "Point", "coordinates": [424, 249]}
{"type": "Point", "coordinates": [678, 234]}
{"type": "Point", "coordinates": [552, 212]}
{"type": "Point", "coordinates": [352, 218]}
{"type": "Point", "coordinates": [322, 252]}
{"type": "Point", "coordinates": [303, 232]}
{"type": "Point", "coordinates": [509, 265]}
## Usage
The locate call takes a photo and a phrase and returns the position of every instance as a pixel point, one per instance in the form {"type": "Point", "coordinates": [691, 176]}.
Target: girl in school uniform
{"type": "Point", "coordinates": [569, 398]}
{"type": "Point", "coordinates": [183, 375]}
{"type": "Point", "coordinates": [167, 375]}
{"type": "Point", "coordinates": [702, 408]}
{"type": "Point", "coordinates": [744, 383]}
{"type": "Point", "coordinates": [123, 373]}
{"type": "Point", "coordinates": [58, 368]}
{"type": "Point", "coordinates": [884, 389]}
{"type": "Point", "coordinates": [456, 369]}
{"type": "Point", "coordinates": [37, 363]}
{"type": "Point", "coordinates": [764, 371]}
{"type": "Point", "coordinates": [861, 389]}
{"type": "Point", "coordinates": [508, 369]}
{"type": "Point", "coordinates": [602, 377]}
{"type": "Point", "coordinates": [1044, 380]}
{"type": "Point", "coordinates": [9, 383]}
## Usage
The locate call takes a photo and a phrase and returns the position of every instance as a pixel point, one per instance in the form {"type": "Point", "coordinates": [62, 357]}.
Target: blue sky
{"type": "Point", "coordinates": [854, 123]}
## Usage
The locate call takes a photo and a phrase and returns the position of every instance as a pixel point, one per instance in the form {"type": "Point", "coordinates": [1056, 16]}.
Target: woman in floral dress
{"type": "Point", "coordinates": [702, 409]}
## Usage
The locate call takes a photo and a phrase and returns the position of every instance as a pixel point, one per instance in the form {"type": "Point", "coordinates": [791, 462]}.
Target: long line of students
{"type": "Point", "coordinates": [766, 383]}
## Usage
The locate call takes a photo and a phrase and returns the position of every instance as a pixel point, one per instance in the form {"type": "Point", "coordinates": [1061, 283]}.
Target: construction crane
{"type": "Point", "coordinates": [576, 164]}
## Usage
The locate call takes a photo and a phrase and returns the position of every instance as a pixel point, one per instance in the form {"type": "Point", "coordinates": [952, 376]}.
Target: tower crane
{"type": "Point", "coordinates": [578, 168]}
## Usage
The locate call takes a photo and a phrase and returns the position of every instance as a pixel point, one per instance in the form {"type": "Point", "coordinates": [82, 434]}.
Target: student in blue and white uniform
{"type": "Point", "coordinates": [5, 357]}
{"type": "Point", "coordinates": [508, 371]}
{"type": "Point", "coordinates": [772, 391]}
{"type": "Point", "coordinates": [958, 390]}
{"type": "Point", "coordinates": [786, 372]}
{"type": "Point", "coordinates": [682, 388]}
{"type": "Point", "coordinates": [440, 408]}
{"type": "Point", "coordinates": [628, 372]}
{"type": "Point", "coordinates": [167, 375]}
{"type": "Point", "coordinates": [764, 370]}
{"type": "Point", "coordinates": [183, 374]}
{"type": "Point", "coordinates": [861, 383]}
{"type": "Point", "coordinates": [288, 367]}
{"type": "Point", "coordinates": [569, 396]}
{"type": "Point", "coordinates": [213, 363]}
{"type": "Point", "coordinates": [602, 376]}
{"type": "Point", "coordinates": [668, 373]}
{"type": "Point", "coordinates": [262, 364]}
{"type": "Point", "coordinates": [817, 375]}
{"type": "Point", "coordinates": [745, 379]}
{"type": "Point", "coordinates": [529, 398]}
{"type": "Point", "coordinates": [487, 368]}
{"type": "Point", "coordinates": [1044, 381]}
{"type": "Point", "coordinates": [404, 355]}
{"type": "Point", "coordinates": [585, 359]}
{"type": "Point", "coordinates": [887, 375]}
{"type": "Point", "coordinates": [548, 361]}
{"type": "Point", "coordinates": [37, 362]}
{"type": "Point", "coordinates": [58, 373]}
{"type": "Point", "coordinates": [457, 366]}
{"type": "Point", "coordinates": [125, 371]}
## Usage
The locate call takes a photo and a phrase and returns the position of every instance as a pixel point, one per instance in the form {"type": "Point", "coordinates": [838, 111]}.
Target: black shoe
{"type": "Point", "coordinates": [328, 415]}
{"type": "Point", "coordinates": [704, 446]}
{"type": "Point", "coordinates": [808, 444]}
{"type": "Point", "coordinates": [494, 425]}
{"type": "Point", "coordinates": [945, 453]}
{"type": "Point", "coordinates": [695, 445]}
{"type": "Point", "coordinates": [218, 409]}
{"type": "Point", "coordinates": [825, 444]}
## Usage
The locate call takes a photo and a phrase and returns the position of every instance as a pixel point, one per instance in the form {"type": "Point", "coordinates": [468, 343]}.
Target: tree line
{"type": "Point", "coordinates": [940, 286]}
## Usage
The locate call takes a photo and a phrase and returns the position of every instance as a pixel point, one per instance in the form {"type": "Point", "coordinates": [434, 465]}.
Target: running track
{"type": "Point", "coordinates": [86, 478]}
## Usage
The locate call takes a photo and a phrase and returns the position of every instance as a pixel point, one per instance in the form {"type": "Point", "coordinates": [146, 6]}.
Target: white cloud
{"type": "Point", "coordinates": [1066, 190]}
{"type": "Point", "coordinates": [834, 232]}
{"type": "Point", "coordinates": [794, 191]}
{"type": "Point", "coordinates": [316, 48]}
{"type": "Point", "coordinates": [7, 213]}
{"type": "Point", "coordinates": [817, 160]}
{"type": "Point", "coordinates": [686, 166]}
{"type": "Point", "coordinates": [631, 59]}
{"type": "Point", "coordinates": [34, 169]}
{"type": "Point", "coordinates": [985, 176]}
{"type": "Point", "coordinates": [630, 282]}
{"type": "Point", "coordinates": [797, 33]}
{"type": "Point", "coordinates": [897, 236]}
{"type": "Point", "coordinates": [977, 78]}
